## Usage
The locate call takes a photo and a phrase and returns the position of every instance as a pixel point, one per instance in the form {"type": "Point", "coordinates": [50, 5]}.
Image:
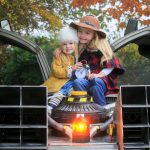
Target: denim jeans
{"type": "Point", "coordinates": [65, 89]}
{"type": "Point", "coordinates": [95, 87]}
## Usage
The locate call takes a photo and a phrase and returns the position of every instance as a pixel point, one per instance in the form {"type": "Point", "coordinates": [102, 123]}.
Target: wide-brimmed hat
{"type": "Point", "coordinates": [89, 22]}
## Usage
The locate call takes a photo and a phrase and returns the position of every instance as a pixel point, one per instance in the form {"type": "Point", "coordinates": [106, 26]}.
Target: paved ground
{"type": "Point", "coordinates": [98, 143]}
{"type": "Point", "coordinates": [85, 147]}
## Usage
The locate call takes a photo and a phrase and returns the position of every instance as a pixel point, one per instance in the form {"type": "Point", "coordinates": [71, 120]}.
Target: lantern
{"type": "Point", "coordinates": [80, 129]}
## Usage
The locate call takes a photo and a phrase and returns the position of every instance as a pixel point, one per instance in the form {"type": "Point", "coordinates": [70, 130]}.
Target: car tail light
{"type": "Point", "coordinates": [80, 129]}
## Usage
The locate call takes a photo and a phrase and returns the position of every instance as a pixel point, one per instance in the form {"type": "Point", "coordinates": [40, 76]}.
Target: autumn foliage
{"type": "Point", "coordinates": [119, 9]}
{"type": "Point", "coordinates": [28, 14]}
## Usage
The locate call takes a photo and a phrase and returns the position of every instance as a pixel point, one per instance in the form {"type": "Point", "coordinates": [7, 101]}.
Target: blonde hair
{"type": "Point", "coordinates": [76, 52]}
{"type": "Point", "coordinates": [102, 45]}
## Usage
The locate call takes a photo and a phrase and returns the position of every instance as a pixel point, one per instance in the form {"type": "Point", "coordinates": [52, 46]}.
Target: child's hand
{"type": "Point", "coordinates": [56, 52]}
{"type": "Point", "coordinates": [93, 75]}
{"type": "Point", "coordinates": [78, 65]}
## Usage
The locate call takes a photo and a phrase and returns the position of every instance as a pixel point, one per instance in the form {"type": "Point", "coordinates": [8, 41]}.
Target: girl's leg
{"type": "Point", "coordinates": [66, 87]}
{"type": "Point", "coordinates": [56, 99]}
{"type": "Point", "coordinates": [81, 85]}
{"type": "Point", "coordinates": [97, 90]}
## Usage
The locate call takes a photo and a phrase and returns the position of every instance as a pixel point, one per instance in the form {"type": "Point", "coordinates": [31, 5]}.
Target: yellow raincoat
{"type": "Point", "coordinates": [59, 70]}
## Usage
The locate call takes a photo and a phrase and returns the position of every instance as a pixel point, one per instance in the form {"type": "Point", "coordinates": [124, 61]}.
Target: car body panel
{"type": "Point", "coordinates": [140, 37]}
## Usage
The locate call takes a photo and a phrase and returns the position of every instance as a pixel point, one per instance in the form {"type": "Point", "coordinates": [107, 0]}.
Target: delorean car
{"type": "Point", "coordinates": [77, 123]}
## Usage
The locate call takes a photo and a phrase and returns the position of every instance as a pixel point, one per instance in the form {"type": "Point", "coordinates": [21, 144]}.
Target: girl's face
{"type": "Point", "coordinates": [85, 35]}
{"type": "Point", "coordinates": [68, 47]}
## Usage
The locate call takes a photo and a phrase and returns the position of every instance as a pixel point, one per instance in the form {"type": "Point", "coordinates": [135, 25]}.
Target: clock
{"type": "Point", "coordinates": [81, 73]}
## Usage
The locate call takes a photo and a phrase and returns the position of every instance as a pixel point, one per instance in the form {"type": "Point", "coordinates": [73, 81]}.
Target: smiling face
{"type": "Point", "coordinates": [68, 47]}
{"type": "Point", "coordinates": [85, 35]}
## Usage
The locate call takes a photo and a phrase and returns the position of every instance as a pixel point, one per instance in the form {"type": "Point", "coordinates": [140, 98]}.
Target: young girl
{"type": "Point", "coordinates": [96, 51]}
{"type": "Point", "coordinates": [104, 66]}
{"type": "Point", "coordinates": [61, 67]}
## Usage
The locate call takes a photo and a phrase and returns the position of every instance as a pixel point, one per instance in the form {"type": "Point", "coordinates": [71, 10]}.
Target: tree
{"type": "Point", "coordinates": [18, 70]}
{"type": "Point", "coordinates": [120, 9]}
{"type": "Point", "coordinates": [47, 15]}
{"type": "Point", "coordinates": [34, 14]}
{"type": "Point", "coordinates": [136, 65]}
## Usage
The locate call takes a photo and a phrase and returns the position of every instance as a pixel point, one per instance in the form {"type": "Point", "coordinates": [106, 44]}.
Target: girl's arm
{"type": "Point", "coordinates": [78, 65]}
{"type": "Point", "coordinates": [58, 69]}
{"type": "Point", "coordinates": [56, 52]}
{"type": "Point", "coordinates": [104, 72]}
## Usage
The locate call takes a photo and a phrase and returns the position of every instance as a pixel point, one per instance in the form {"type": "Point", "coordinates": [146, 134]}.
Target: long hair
{"type": "Point", "coordinates": [76, 52]}
{"type": "Point", "coordinates": [102, 45]}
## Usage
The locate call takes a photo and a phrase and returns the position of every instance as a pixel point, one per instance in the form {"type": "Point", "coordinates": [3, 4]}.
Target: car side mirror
{"type": "Point", "coordinates": [5, 25]}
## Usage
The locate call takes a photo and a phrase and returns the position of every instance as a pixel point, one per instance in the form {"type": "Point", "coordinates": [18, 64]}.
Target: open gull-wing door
{"type": "Point", "coordinates": [132, 106]}
{"type": "Point", "coordinates": [23, 108]}
{"type": "Point", "coordinates": [140, 37]}
{"type": "Point", "coordinates": [11, 38]}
